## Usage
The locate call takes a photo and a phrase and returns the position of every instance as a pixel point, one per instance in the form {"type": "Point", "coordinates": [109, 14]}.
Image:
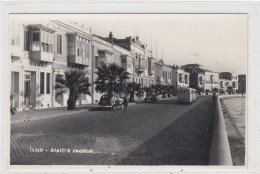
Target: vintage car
{"type": "Point", "coordinates": [113, 101]}
{"type": "Point", "coordinates": [150, 98]}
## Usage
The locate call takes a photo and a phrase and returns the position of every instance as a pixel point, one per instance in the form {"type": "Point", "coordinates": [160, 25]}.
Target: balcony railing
{"type": "Point", "coordinates": [139, 69]}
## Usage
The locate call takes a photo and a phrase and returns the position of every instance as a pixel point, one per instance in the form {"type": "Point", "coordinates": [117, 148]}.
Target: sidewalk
{"type": "Point", "coordinates": [37, 114]}
{"type": "Point", "coordinates": [234, 111]}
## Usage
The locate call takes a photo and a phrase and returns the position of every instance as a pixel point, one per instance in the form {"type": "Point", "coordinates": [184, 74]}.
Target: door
{"type": "Point", "coordinates": [14, 96]}
{"type": "Point", "coordinates": [27, 89]}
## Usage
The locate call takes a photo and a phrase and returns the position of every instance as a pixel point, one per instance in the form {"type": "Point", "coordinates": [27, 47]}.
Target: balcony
{"type": "Point", "coordinates": [40, 56]}
{"type": "Point", "coordinates": [151, 72]}
{"type": "Point", "coordinates": [78, 60]}
{"type": "Point", "coordinates": [41, 41]}
{"type": "Point", "coordinates": [139, 69]}
{"type": "Point", "coordinates": [78, 50]}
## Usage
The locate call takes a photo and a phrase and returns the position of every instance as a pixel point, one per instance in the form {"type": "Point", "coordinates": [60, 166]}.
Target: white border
{"type": "Point", "coordinates": [253, 10]}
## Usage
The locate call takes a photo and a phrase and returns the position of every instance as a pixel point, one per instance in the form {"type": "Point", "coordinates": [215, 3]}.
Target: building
{"type": "Point", "coordinates": [106, 52]}
{"type": "Point", "coordinates": [228, 80]}
{"type": "Point", "coordinates": [158, 73]}
{"type": "Point", "coordinates": [202, 78]}
{"type": "Point", "coordinates": [166, 74]}
{"type": "Point", "coordinates": [242, 83]}
{"type": "Point", "coordinates": [211, 80]}
{"type": "Point", "coordinates": [180, 78]}
{"type": "Point", "coordinates": [140, 58]}
{"type": "Point", "coordinates": [38, 54]}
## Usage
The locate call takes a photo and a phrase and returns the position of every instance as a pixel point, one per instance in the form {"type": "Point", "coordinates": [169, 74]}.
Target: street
{"type": "Point", "coordinates": [164, 133]}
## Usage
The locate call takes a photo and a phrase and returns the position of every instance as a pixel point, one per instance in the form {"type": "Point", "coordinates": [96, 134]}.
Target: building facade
{"type": "Point", "coordinates": [201, 77]}
{"type": "Point", "coordinates": [141, 55]}
{"type": "Point", "coordinates": [228, 80]}
{"type": "Point", "coordinates": [180, 78]}
{"type": "Point", "coordinates": [242, 83]}
{"type": "Point", "coordinates": [166, 74]}
{"type": "Point", "coordinates": [106, 52]}
{"type": "Point", "coordinates": [38, 54]}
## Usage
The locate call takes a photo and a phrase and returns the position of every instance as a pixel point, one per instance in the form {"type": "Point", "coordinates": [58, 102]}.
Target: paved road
{"type": "Point", "coordinates": [114, 137]}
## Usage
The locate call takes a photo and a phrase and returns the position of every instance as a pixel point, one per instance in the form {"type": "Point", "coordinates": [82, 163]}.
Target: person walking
{"type": "Point", "coordinates": [125, 103]}
{"type": "Point", "coordinates": [214, 95]}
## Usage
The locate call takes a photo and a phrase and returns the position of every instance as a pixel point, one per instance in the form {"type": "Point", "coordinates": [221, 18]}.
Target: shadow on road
{"type": "Point", "coordinates": [186, 141]}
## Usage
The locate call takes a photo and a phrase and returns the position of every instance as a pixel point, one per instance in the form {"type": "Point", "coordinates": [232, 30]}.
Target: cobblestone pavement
{"type": "Point", "coordinates": [37, 114]}
{"type": "Point", "coordinates": [97, 137]}
{"type": "Point", "coordinates": [234, 111]}
{"type": "Point", "coordinates": [186, 141]}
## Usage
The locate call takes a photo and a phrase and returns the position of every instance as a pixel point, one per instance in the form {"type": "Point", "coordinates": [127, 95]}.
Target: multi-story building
{"type": "Point", "coordinates": [242, 83]}
{"type": "Point", "coordinates": [228, 79]}
{"type": "Point", "coordinates": [158, 72]}
{"type": "Point", "coordinates": [180, 78]}
{"type": "Point", "coordinates": [106, 52]}
{"type": "Point", "coordinates": [201, 77]}
{"type": "Point", "coordinates": [166, 74]}
{"type": "Point", "coordinates": [140, 55]}
{"type": "Point", "coordinates": [38, 54]}
{"type": "Point", "coordinates": [211, 80]}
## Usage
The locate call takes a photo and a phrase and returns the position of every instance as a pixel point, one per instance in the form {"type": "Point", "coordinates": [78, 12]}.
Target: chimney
{"type": "Point", "coordinates": [111, 36]}
{"type": "Point", "coordinates": [137, 38]}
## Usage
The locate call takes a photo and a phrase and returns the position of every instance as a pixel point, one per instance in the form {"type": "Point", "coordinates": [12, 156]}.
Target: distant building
{"type": "Point", "coordinates": [180, 78]}
{"type": "Point", "coordinates": [242, 83]}
{"type": "Point", "coordinates": [166, 74]}
{"type": "Point", "coordinates": [201, 77]}
{"type": "Point", "coordinates": [228, 80]}
{"type": "Point", "coordinates": [158, 73]}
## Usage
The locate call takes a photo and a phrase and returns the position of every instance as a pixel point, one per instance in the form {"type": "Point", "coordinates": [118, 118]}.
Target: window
{"type": "Point", "coordinates": [201, 80]}
{"type": "Point", "coordinates": [180, 78]}
{"type": "Point", "coordinates": [42, 83]}
{"type": "Point", "coordinates": [36, 41]}
{"type": "Point", "coordinates": [26, 40]}
{"type": "Point", "coordinates": [96, 62]}
{"type": "Point", "coordinates": [77, 51]}
{"type": "Point", "coordinates": [43, 47]}
{"type": "Point", "coordinates": [71, 43]}
{"type": "Point", "coordinates": [59, 44]}
{"type": "Point", "coordinates": [48, 83]}
{"type": "Point", "coordinates": [36, 36]}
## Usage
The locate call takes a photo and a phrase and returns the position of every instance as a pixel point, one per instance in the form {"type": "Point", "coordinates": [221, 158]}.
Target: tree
{"type": "Point", "coordinates": [111, 79]}
{"type": "Point", "coordinates": [131, 88]}
{"type": "Point", "coordinates": [76, 82]}
{"type": "Point", "coordinates": [215, 90]}
{"type": "Point", "coordinates": [169, 89]}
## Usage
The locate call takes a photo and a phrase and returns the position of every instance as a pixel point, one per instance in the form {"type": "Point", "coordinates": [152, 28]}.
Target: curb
{"type": "Point", "coordinates": [220, 150]}
{"type": "Point", "coordinates": [41, 118]}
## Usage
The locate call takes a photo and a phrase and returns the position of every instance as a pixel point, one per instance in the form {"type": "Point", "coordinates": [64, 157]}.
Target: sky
{"type": "Point", "coordinates": [217, 41]}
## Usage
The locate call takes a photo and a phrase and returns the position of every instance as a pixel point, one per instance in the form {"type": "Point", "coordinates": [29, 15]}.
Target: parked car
{"type": "Point", "coordinates": [113, 101]}
{"type": "Point", "coordinates": [150, 98]}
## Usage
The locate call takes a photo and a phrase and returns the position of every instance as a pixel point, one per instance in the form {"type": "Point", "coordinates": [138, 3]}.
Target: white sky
{"type": "Point", "coordinates": [217, 41]}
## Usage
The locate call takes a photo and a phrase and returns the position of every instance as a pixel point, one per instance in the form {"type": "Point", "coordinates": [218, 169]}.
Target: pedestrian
{"type": "Point", "coordinates": [214, 95]}
{"type": "Point", "coordinates": [125, 103]}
